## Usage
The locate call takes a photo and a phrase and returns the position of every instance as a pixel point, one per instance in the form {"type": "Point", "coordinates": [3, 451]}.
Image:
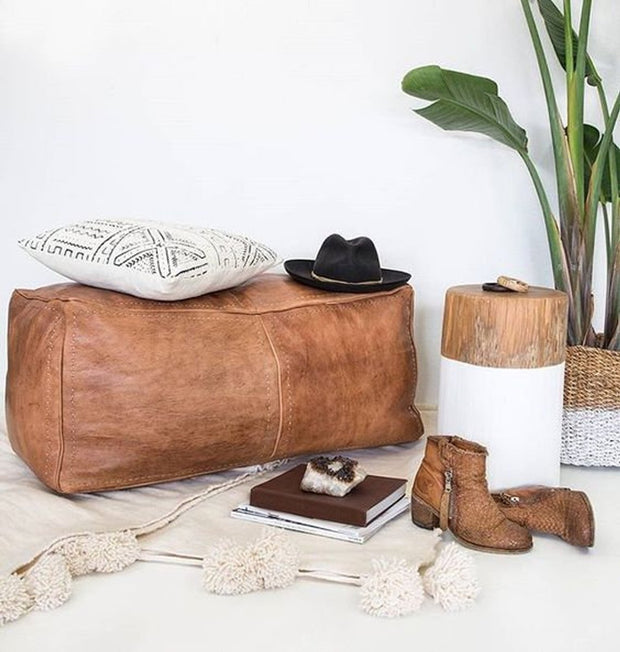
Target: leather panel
{"type": "Point", "coordinates": [33, 397]}
{"type": "Point", "coordinates": [348, 374]}
{"type": "Point", "coordinates": [152, 396]}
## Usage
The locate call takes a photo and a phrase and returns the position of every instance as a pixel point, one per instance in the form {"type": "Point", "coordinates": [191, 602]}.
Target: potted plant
{"type": "Point", "coordinates": [587, 172]}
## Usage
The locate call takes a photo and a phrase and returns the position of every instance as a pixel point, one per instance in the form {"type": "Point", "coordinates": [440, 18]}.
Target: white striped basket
{"type": "Point", "coordinates": [591, 421]}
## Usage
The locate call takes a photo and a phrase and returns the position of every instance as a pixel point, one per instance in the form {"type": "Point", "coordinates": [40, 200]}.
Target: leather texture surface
{"type": "Point", "coordinates": [105, 390]}
{"type": "Point", "coordinates": [466, 506]}
{"type": "Point", "coordinates": [553, 510]}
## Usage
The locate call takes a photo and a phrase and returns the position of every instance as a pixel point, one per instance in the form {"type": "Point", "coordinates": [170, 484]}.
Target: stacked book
{"type": "Point", "coordinates": [354, 517]}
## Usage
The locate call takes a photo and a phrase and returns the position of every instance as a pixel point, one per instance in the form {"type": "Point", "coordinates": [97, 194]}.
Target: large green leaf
{"type": "Point", "coordinates": [464, 102]}
{"type": "Point", "coordinates": [554, 22]}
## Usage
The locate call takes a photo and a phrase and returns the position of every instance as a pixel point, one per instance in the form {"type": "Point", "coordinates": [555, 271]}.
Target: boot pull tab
{"type": "Point", "coordinates": [444, 505]}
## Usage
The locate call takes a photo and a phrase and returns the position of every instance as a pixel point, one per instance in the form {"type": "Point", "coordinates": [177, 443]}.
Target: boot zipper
{"type": "Point", "coordinates": [444, 506]}
{"type": "Point", "coordinates": [508, 499]}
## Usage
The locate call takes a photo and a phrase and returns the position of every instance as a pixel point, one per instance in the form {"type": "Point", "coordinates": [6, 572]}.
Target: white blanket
{"type": "Point", "coordinates": [557, 597]}
{"type": "Point", "coordinates": [32, 517]}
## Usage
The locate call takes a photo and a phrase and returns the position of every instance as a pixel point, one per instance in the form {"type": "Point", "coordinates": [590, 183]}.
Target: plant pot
{"type": "Point", "coordinates": [591, 421]}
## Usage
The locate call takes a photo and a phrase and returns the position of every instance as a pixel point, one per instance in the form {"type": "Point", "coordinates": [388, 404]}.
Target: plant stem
{"type": "Point", "coordinates": [612, 238]}
{"type": "Point", "coordinates": [559, 264]}
{"type": "Point", "coordinates": [565, 175]}
{"type": "Point", "coordinates": [607, 228]}
{"type": "Point", "coordinates": [602, 160]}
{"type": "Point", "coordinates": [612, 317]}
{"type": "Point", "coordinates": [575, 100]}
{"type": "Point", "coordinates": [568, 42]}
{"type": "Point", "coordinates": [596, 178]}
{"type": "Point", "coordinates": [613, 170]}
{"type": "Point", "coordinates": [550, 224]}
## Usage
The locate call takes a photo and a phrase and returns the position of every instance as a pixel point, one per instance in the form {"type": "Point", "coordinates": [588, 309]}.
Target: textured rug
{"type": "Point", "coordinates": [33, 518]}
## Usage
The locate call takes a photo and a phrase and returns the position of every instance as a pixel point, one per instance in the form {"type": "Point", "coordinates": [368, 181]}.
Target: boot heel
{"type": "Point", "coordinates": [423, 515]}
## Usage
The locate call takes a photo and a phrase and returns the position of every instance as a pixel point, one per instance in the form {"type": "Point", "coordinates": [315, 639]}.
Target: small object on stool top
{"type": "Point", "coordinates": [495, 287]}
{"type": "Point", "coordinates": [513, 284]}
{"type": "Point", "coordinates": [334, 476]}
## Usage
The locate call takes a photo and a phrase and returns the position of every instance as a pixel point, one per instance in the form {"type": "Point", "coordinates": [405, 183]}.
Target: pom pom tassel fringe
{"type": "Point", "coordinates": [393, 588]}
{"type": "Point", "coordinates": [46, 584]}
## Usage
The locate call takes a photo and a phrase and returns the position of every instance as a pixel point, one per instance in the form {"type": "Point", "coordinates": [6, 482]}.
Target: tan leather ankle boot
{"type": "Point", "coordinates": [563, 512]}
{"type": "Point", "coordinates": [450, 491]}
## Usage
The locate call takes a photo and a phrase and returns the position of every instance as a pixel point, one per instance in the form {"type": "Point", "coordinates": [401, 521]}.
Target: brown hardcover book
{"type": "Point", "coordinates": [365, 502]}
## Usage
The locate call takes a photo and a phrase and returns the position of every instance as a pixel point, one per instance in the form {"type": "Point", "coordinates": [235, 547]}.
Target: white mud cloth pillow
{"type": "Point", "coordinates": [152, 260]}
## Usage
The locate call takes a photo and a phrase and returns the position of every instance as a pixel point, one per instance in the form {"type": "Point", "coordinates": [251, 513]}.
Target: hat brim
{"type": "Point", "coordinates": [301, 270]}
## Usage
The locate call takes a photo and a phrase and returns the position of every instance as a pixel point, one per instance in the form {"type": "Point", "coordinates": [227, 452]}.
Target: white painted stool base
{"type": "Point", "coordinates": [515, 413]}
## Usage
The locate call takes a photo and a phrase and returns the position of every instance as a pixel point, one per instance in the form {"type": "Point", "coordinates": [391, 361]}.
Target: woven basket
{"type": "Point", "coordinates": [591, 423]}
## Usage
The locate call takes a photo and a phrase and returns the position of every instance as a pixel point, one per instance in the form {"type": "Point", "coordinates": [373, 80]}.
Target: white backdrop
{"type": "Point", "coordinates": [281, 119]}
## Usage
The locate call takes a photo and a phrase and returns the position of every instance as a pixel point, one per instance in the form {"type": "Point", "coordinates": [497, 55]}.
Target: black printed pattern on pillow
{"type": "Point", "coordinates": [166, 251]}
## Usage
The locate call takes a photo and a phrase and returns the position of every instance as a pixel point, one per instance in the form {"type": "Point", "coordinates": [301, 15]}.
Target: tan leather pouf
{"type": "Point", "coordinates": [106, 390]}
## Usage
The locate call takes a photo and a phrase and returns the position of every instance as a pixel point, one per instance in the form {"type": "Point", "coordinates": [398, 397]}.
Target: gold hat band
{"type": "Point", "coordinates": [335, 280]}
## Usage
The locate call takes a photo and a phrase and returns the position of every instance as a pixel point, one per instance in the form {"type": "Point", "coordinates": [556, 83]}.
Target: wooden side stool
{"type": "Point", "coordinates": [501, 379]}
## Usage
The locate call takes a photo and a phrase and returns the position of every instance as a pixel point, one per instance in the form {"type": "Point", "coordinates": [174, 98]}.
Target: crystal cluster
{"type": "Point", "coordinates": [334, 476]}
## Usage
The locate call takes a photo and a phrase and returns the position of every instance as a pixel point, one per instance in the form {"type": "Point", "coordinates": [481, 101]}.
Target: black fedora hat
{"type": "Point", "coordinates": [346, 266]}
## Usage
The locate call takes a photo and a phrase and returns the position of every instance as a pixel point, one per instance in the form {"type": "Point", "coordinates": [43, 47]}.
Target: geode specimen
{"type": "Point", "coordinates": [334, 476]}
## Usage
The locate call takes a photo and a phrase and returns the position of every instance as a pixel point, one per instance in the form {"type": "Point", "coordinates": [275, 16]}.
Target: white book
{"type": "Point", "coordinates": [352, 533]}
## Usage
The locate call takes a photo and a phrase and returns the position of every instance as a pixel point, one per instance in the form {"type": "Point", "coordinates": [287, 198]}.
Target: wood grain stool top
{"type": "Point", "coordinates": [506, 330]}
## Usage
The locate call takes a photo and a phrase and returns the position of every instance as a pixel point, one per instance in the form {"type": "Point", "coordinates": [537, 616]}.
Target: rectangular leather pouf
{"type": "Point", "coordinates": [106, 391]}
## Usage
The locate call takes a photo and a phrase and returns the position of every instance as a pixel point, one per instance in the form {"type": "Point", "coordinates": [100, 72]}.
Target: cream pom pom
{"type": "Point", "coordinates": [276, 559]}
{"type": "Point", "coordinates": [270, 562]}
{"type": "Point", "coordinates": [452, 580]}
{"type": "Point", "coordinates": [108, 552]}
{"type": "Point", "coordinates": [49, 582]}
{"type": "Point", "coordinates": [228, 570]}
{"type": "Point", "coordinates": [394, 588]}
{"type": "Point", "coordinates": [14, 599]}
{"type": "Point", "coordinates": [111, 552]}
{"type": "Point", "coordinates": [73, 551]}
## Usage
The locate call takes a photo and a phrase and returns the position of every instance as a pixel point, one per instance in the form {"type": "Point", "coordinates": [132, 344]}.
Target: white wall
{"type": "Point", "coordinates": [282, 119]}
